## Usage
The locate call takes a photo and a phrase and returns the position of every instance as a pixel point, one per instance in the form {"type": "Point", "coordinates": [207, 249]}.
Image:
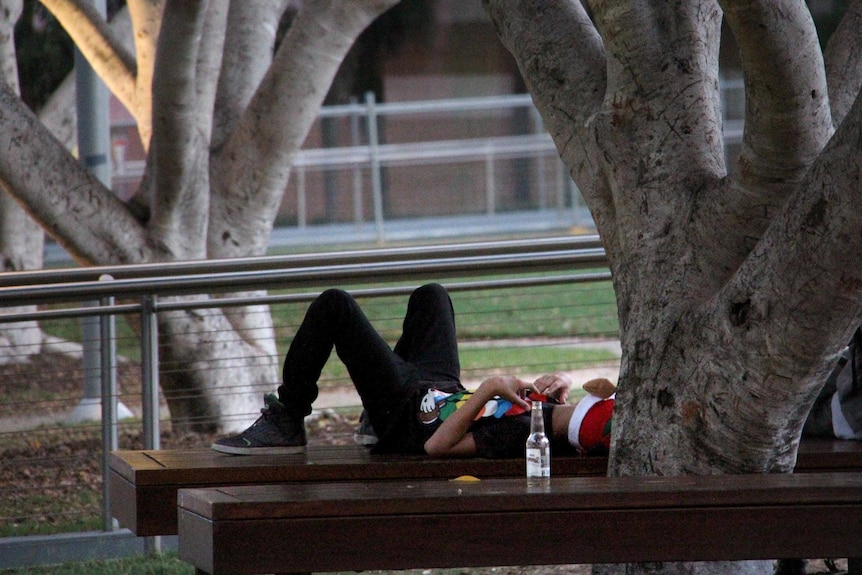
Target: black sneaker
{"type": "Point", "coordinates": [276, 431]}
{"type": "Point", "coordinates": [364, 434]}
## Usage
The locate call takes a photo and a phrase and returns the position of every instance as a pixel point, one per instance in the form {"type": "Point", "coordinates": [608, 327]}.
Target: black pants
{"type": "Point", "coordinates": [427, 351]}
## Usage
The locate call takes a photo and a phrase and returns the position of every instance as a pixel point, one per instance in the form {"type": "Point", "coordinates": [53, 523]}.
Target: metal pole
{"type": "Point", "coordinates": [357, 172]}
{"type": "Point", "coordinates": [150, 389]}
{"type": "Point", "coordinates": [376, 176]}
{"type": "Point", "coordinates": [490, 186]}
{"type": "Point", "coordinates": [301, 202]}
{"type": "Point", "coordinates": [150, 372]}
{"type": "Point", "coordinates": [94, 140]}
{"type": "Point", "coordinates": [110, 428]}
{"type": "Point", "coordinates": [540, 163]}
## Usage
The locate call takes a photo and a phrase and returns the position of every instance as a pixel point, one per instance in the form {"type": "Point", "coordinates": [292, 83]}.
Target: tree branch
{"type": "Point", "coordinates": [60, 194]}
{"type": "Point", "coordinates": [248, 53]}
{"type": "Point", "coordinates": [661, 114]}
{"type": "Point", "coordinates": [787, 119]}
{"type": "Point", "coordinates": [210, 64]}
{"type": "Point", "coordinates": [179, 149]}
{"type": "Point", "coordinates": [802, 283]}
{"type": "Point", "coordinates": [146, 18]}
{"type": "Point", "coordinates": [97, 42]}
{"type": "Point", "coordinates": [8, 62]}
{"type": "Point", "coordinates": [844, 63]}
{"type": "Point", "coordinates": [254, 164]}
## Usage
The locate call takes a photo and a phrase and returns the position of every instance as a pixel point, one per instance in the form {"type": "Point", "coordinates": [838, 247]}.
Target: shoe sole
{"type": "Point", "coordinates": [277, 450]}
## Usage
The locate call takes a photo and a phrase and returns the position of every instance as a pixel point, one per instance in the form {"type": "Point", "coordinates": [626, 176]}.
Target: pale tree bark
{"type": "Point", "coordinates": [127, 74]}
{"type": "Point", "coordinates": [844, 63]}
{"type": "Point", "coordinates": [21, 239]}
{"type": "Point", "coordinates": [220, 145]}
{"type": "Point", "coordinates": [735, 291]}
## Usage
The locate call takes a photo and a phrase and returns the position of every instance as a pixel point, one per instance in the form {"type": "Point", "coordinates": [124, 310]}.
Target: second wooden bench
{"type": "Point", "coordinates": [353, 526]}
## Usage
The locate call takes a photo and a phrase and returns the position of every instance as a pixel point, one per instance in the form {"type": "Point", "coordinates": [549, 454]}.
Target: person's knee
{"type": "Point", "coordinates": [334, 294]}
{"type": "Point", "coordinates": [431, 291]}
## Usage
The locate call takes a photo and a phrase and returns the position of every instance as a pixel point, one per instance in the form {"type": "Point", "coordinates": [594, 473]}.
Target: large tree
{"type": "Point", "coordinates": [735, 290]}
{"type": "Point", "coordinates": [221, 115]}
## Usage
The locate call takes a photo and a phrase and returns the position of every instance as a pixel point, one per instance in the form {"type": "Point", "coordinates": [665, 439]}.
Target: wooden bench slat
{"type": "Point", "coordinates": [203, 466]}
{"type": "Point", "coordinates": [399, 525]}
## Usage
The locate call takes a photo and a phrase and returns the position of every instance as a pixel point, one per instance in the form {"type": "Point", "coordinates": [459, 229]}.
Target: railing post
{"type": "Point", "coordinates": [358, 211]}
{"type": "Point", "coordinates": [150, 372]}
{"type": "Point", "coordinates": [490, 186]}
{"type": "Point", "coordinates": [110, 427]}
{"type": "Point", "coordinates": [376, 175]}
{"type": "Point", "coordinates": [150, 389]}
{"type": "Point", "coordinates": [88, 408]}
{"type": "Point", "coordinates": [301, 199]}
{"type": "Point", "coordinates": [540, 162]}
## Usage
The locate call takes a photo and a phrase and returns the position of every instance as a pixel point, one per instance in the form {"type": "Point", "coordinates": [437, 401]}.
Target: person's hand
{"type": "Point", "coordinates": [508, 387]}
{"type": "Point", "coordinates": [556, 385]}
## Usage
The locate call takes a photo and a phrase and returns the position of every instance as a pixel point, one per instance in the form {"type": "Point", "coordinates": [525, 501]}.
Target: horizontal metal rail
{"type": "Point", "coordinates": [419, 153]}
{"type": "Point", "coordinates": [263, 263]}
{"type": "Point", "coordinates": [564, 260]}
{"type": "Point", "coordinates": [448, 106]}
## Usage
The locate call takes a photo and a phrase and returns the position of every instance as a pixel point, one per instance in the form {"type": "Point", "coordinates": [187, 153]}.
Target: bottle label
{"type": "Point", "coordinates": [537, 466]}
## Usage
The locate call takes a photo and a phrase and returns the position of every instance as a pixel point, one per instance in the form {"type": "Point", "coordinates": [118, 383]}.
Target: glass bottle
{"type": "Point", "coordinates": [538, 450]}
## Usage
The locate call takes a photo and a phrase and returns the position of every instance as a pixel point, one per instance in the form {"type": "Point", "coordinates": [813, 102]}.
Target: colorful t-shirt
{"type": "Point", "coordinates": [499, 429]}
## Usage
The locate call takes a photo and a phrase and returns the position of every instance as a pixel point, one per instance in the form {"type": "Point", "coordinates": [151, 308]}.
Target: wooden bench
{"type": "Point", "coordinates": [144, 484]}
{"type": "Point", "coordinates": [353, 526]}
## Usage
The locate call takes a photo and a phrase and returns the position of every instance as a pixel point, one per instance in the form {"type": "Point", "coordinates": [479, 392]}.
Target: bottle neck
{"type": "Point", "coordinates": [537, 421]}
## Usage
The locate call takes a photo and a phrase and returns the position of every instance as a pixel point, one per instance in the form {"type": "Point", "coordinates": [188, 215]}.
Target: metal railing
{"type": "Point", "coordinates": [146, 290]}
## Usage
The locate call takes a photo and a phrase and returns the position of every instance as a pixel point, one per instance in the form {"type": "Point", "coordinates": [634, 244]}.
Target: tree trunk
{"type": "Point", "coordinates": [735, 291]}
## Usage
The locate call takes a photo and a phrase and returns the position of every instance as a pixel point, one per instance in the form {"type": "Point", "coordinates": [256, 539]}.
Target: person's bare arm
{"type": "Point", "coordinates": [452, 438]}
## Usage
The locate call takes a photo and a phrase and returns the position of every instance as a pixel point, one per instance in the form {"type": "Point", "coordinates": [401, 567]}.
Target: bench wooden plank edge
{"type": "Point", "coordinates": [505, 531]}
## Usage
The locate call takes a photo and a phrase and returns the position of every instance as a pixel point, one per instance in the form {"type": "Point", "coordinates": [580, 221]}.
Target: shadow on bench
{"type": "Point", "coordinates": [351, 526]}
{"type": "Point", "coordinates": [144, 484]}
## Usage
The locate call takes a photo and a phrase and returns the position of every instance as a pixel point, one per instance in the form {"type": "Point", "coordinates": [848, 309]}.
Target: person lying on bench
{"type": "Point", "coordinates": [412, 394]}
{"type": "Point", "coordinates": [414, 401]}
